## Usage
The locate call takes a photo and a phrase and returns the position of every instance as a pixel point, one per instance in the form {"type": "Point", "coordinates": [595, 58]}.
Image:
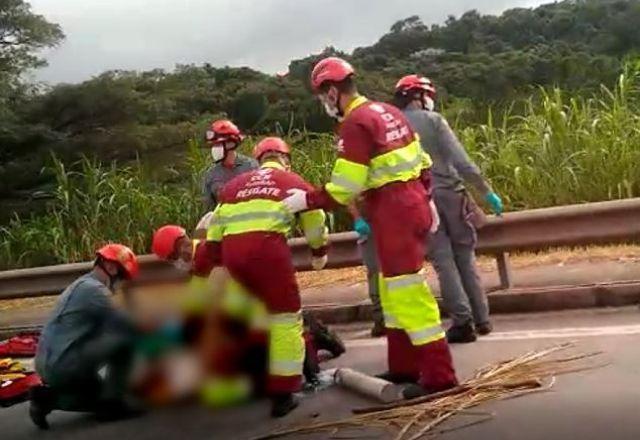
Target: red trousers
{"type": "Point", "coordinates": [400, 217]}
{"type": "Point", "coordinates": [261, 262]}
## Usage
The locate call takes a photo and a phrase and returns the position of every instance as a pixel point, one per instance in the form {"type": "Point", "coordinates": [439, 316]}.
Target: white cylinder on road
{"type": "Point", "coordinates": [369, 386]}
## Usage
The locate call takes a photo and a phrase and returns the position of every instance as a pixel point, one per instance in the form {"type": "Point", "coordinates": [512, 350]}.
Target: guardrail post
{"type": "Point", "coordinates": [504, 270]}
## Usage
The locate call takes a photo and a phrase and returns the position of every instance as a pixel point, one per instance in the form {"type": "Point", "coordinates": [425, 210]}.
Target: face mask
{"type": "Point", "coordinates": [218, 153]}
{"type": "Point", "coordinates": [181, 265]}
{"type": "Point", "coordinates": [428, 103]}
{"type": "Point", "coordinates": [331, 109]}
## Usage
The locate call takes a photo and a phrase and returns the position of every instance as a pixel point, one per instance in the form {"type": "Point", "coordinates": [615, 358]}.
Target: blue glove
{"type": "Point", "coordinates": [362, 227]}
{"type": "Point", "coordinates": [495, 202]}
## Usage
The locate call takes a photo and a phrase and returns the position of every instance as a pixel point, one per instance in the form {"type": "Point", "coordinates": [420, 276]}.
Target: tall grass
{"type": "Point", "coordinates": [96, 203]}
{"type": "Point", "coordinates": [562, 150]}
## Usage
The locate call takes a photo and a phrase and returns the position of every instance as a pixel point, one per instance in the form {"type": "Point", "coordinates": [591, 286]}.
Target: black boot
{"type": "Point", "coordinates": [413, 391]}
{"type": "Point", "coordinates": [484, 328]}
{"type": "Point", "coordinates": [283, 404]}
{"type": "Point", "coordinates": [461, 334]}
{"type": "Point", "coordinates": [118, 409]}
{"type": "Point", "coordinates": [41, 405]}
{"type": "Point", "coordinates": [378, 330]}
{"type": "Point", "coordinates": [324, 338]}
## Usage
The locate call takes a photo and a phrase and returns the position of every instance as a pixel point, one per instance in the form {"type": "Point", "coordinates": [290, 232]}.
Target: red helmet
{"type": "Point", "coordinates": [223, 130]}
{"type": "Point", "coordinates": [121, 255]}
{"type": "Point", "coordinates": [164, 240]}
{"type": "Point", "coordinates": [415, 83]}
{"type": "Point", "coordinates": [330, 69]}
{"type": "Point", "coordinates": [270, 144]}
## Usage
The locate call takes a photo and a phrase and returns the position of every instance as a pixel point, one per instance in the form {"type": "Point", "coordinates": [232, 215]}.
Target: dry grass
{"type": "Point", "coordinates": [530, 373]}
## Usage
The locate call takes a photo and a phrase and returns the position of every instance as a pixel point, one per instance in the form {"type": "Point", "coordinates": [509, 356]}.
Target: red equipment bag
{"type": "Point", "coordinates": [23, 345]}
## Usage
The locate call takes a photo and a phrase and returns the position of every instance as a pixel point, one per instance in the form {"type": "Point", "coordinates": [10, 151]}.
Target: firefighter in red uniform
{"type": "Point", "coordinates": [381, 157]}
{"type": "Point", "coordinates": [248, 235]}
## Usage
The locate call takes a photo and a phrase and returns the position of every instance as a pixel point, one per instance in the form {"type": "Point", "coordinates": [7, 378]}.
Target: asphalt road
{"type": "Point", "coordinates": [599, 404]}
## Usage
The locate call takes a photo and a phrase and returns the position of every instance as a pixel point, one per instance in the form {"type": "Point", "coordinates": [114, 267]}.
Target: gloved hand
{"type": "Point", "coordinates": [495, 202]}
{"type": "Point", "coordinates": [435, 217]}
{"type": "Point", "coordinates": [296, 201]}
{"type": "Point", "coordinates": [362, 227]}
{"type": "Point", "coordinates": [318, 263]}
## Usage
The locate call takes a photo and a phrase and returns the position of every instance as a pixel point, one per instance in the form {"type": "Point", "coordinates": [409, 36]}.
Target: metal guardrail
{"type": "Point", "coordinates": [533, 230]}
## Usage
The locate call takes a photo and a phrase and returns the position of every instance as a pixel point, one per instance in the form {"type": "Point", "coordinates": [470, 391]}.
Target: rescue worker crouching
{"type": "Point", "coordinates": [84, 334]}
{"type": "Point", "coordinates": [248, 235]}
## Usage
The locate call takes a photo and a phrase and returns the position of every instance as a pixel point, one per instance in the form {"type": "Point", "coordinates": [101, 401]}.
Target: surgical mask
{"type": "Point", "coordinates": [428, 103]}
{"type": "Point", "coordinates": [218, 153]}
{"type": "Point", "coordinates": [331, 109]}
{"type": "Point", "coordinates": [182, 266]}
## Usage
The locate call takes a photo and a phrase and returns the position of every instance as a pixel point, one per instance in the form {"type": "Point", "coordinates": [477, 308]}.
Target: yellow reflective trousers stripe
{"type": "Point", "coordinates": [409, 305]}
{"type": "Point", "coordinates": [286, 345]}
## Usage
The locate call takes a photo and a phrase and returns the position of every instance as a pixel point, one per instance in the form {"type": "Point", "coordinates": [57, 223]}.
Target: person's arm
{"type": "Point", "coordinates": [99, 306]}
{"type": "Point", "coordinates": [350, 172]}
{"type": "Point", "coordinates": [451, 148]}
{"type": "Point", "coordinates": [313, 224]}
{"type": "Point", "coordinates": [208, 254]}
{"type": "Point", "coordinates": [208, 199]}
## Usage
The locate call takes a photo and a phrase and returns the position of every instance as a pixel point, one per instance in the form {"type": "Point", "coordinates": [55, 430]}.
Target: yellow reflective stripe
{"type": "Point", "coordinates": [415, 310]}
{"type": "Point", "coordinates": [254, 215]}
{"type": "Point", "coordinates": [400, 165]}
{"type": "Point", "coordinates": [347, 180]}
{"type": "Point", "coordinates": [286, 346]}
{"type": "Point", "coordinates": [221, 391]}
{"type": "Point", "coordinates": [215, 230]}
{"type": "Point", "coordinates": [354, 104]}
{"type": "Point", "coordinates": [285, 318]}
{"type": "Point", "coordinates": [404, 281]}
{"type": "Point", "coordinates": [286, 368]}
{"type": "Point", "coordinates": [272, 164]}
{"type": "Point", "coordinates": [313, 225]}
{"type": "Point", "coordinates": [426, 335]}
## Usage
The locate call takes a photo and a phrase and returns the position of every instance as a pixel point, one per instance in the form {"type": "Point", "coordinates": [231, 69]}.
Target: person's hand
{"type": "Point", "coordinates": [296, 201]}
{"type": "Point", "coordinates": [495, 202]}
{"type": "Point", "coordinates": [435, 217]}
{"type": "Point", "coordinates": [318, 263]}
{"type": "Point", "coordinates": [362, 227]}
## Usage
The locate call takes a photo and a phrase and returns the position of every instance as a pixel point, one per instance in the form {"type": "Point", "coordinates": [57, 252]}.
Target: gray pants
{"type": "Point", "coordinates": [75, 380]}
{"type": "Point", "coordinates": [370, 260]}
{"type": "Point", "coordinates": [451, 250]}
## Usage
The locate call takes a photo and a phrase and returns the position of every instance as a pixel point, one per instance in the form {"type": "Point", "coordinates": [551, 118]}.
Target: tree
{"type": "Point", "coordinates": [22, 34]}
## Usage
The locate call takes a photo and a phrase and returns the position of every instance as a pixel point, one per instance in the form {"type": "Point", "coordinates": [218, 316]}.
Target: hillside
{"type": "Point", "coordinates": [477, 61]}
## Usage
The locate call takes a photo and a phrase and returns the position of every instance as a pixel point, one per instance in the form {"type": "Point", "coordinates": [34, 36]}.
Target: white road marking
{"type": "Point", "coordinates": [555, 333]}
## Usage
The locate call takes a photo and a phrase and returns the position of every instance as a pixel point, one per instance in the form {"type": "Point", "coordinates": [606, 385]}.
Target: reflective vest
{"type": "Point", "coordinates": [403, 164]}
{"type": "Point", "coordinates": [262, 214]}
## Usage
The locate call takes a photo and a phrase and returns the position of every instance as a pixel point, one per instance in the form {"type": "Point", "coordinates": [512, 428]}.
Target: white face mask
{"type": "Point", "coordinates": [429, 104]}
{"type": "Point", "coordinates": [181, 265]}
{"type": "Point", "coordinates": [332, 110]}
{"type": "Point", "coordinates": [217, 153]}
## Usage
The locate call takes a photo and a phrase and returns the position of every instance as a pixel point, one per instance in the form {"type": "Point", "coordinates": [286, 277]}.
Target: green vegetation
{"type": "Point", "coordinates": [562, 150]}
{"type": "Point", "coordinates": [535, 94]}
